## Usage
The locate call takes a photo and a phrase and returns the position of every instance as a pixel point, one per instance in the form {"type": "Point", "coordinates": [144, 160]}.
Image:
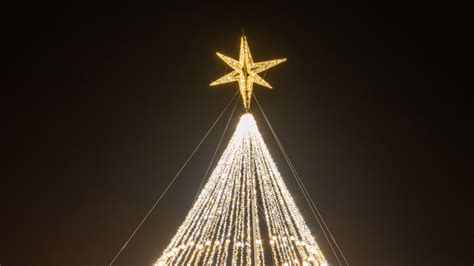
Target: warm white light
{"type": "Point", "coordinates": [223, 212]}
{"type": "Point", "coordinates": [245, 71]}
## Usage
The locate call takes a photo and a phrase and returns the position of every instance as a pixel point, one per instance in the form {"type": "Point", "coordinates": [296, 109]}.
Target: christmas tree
{"type": "Point", "coordinates": [245, 213]}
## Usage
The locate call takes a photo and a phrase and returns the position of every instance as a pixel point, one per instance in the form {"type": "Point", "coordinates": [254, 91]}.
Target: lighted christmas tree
{"type": "Point", "coordinates": [245, 209]}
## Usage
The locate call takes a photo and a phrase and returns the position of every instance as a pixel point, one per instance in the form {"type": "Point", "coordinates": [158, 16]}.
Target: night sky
{"type": "Point", "coordinates": [103, 103]}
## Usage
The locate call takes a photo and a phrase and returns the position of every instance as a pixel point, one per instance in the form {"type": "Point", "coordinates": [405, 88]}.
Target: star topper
{"type": "Point", "coordinates": [245, 71]}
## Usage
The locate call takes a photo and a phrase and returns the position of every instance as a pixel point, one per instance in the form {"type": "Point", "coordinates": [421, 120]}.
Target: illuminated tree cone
{"type": "Point", "coordinates": [223, 226]}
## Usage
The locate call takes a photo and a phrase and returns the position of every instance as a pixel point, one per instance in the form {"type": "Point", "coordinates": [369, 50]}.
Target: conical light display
{"type": "Point", "coordinates": [244, 214]}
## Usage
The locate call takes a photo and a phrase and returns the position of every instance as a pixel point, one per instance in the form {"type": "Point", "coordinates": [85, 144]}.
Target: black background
{"type": "Point", "coordinates": [103, 103]}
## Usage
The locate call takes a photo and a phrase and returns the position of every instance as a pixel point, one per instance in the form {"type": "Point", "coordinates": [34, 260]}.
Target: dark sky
{"type": "Point", "coordinates": [103, 103]}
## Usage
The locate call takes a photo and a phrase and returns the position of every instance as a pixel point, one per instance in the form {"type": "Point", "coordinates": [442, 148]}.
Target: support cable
{"type": "Point", "coordinates": [314, 209]}
{"type": "Point", "coordinates": [215, 152]}
{"type": "Point", "coordinates": [170, 183]}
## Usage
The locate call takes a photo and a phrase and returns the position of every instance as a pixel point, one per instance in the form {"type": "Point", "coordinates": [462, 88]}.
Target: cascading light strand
{"type": "Point", "coordinates": [222, 226]}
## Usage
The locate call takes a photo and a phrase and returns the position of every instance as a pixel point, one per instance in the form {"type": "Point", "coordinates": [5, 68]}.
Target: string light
{"type": "Point", "coordinates": [222, 226]}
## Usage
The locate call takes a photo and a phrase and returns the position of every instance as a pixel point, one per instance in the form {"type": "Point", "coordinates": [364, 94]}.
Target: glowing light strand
{"type": "Point", "coordinates": [221, 228]}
